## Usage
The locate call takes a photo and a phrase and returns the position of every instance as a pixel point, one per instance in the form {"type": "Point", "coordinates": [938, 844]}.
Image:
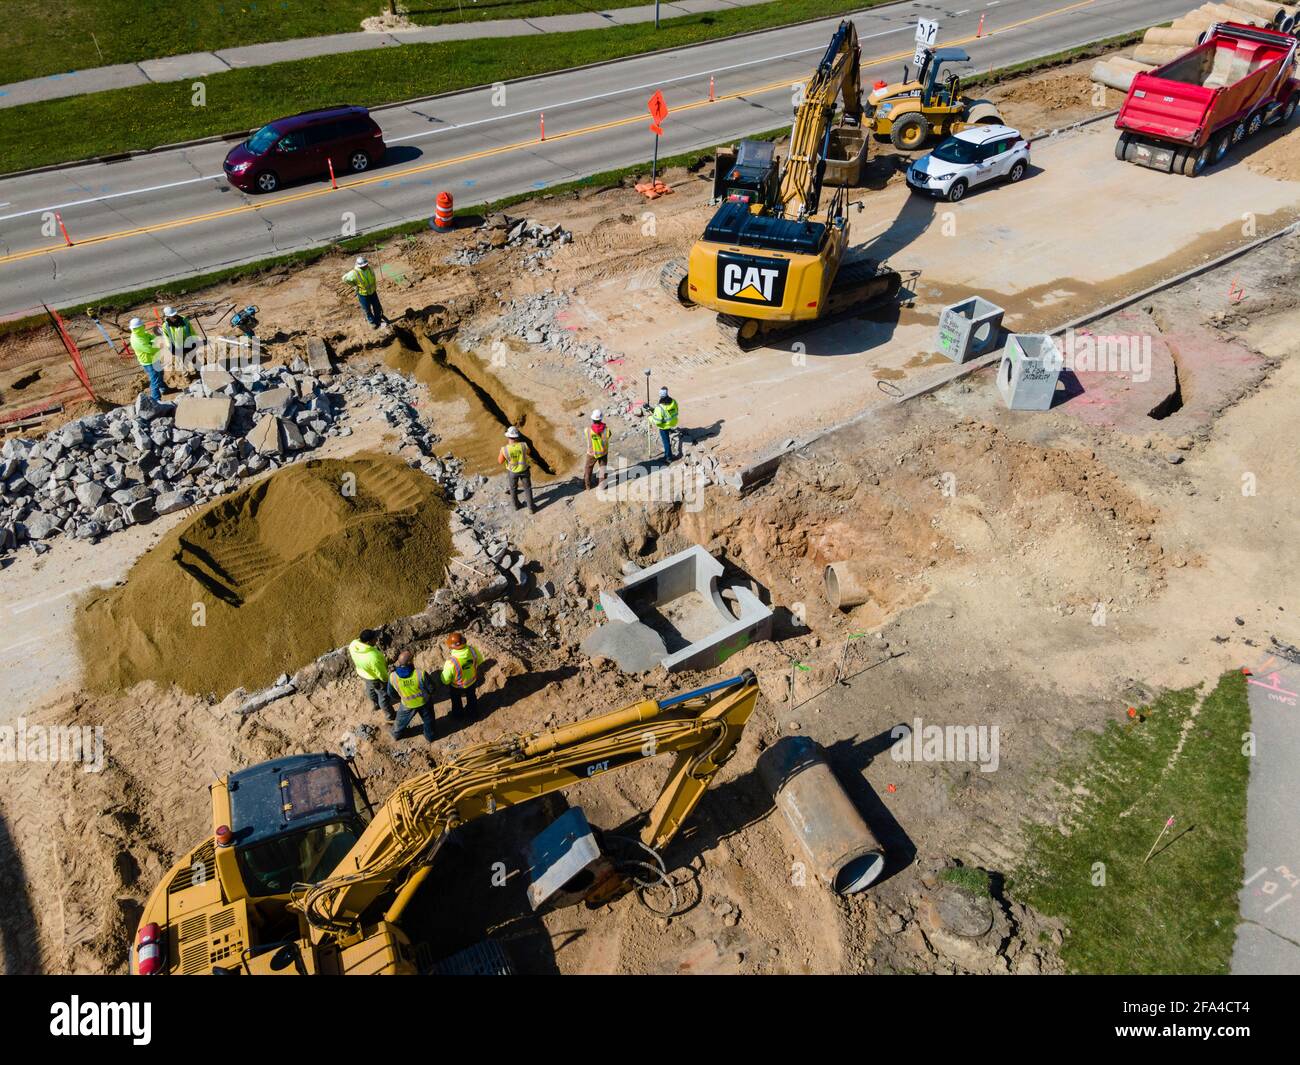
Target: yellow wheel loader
{"type": "Point", "coordinates": [302, 876]}
{"type": "Point", "coordinates": [910, 112]}
{"type": "Point", "coordinates": [772, 260]}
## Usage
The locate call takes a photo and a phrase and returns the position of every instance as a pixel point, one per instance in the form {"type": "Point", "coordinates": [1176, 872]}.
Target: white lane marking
{"type": "Point", "coordinates": [629, 88]}
{"type": "Point", "coordinates": [19, 646]}
{"type": "Point", "coordinates": [36, 603]}
{"type": "Point", "coordinates": [107, 196]}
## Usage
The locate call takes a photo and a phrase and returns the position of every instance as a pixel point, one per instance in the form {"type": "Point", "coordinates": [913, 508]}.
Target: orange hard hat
{"type": "Point", "coordinates": [456, 639]}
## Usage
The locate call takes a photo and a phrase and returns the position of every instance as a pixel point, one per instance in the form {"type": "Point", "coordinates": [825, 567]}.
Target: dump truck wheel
{"type": "Point", "coordinates": [1221, 146]}
{"type": "Point", "coordinates": [1255, 123]}
{"type": "Point", "coordinates": [1196, 161]}
{"type": "Point", "coordinates": [1289, 110]}
{"type": "Point", "coordinates": [910, 132]}
{"type": "Point", "coordinates": [1121, 146]}
{"type": "Point", "coordinates": [673, 280]}
{"type": "Point", "coordinates": [1239, 133]}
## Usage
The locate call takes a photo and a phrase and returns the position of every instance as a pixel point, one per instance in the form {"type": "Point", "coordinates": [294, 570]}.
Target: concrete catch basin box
{"type": "Point", "coordinates": [1027, 375]}
{"type": "Point", "coordinates": [969, 329]}
{"type": "Point", "coordinates": [676, 614]}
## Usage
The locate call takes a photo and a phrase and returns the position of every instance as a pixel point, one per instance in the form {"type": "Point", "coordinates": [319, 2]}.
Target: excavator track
{"type": "Point", "coordinates": [672, 279]}
{"type": "Point", "coordinates": [858, 285]}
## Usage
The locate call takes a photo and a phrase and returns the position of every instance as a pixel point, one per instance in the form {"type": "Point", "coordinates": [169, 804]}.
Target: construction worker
{"type": "Point", "coordinates": [146, 347]}
{"type": "Point", "coordinates": [372, 668]}
{"type": "Point", "coordinates": [597, 437]}
{"type": "Point", "coordinates": [664, 417]}
{"type": "Point", "coordinates": [515, 454]}
{"type": "Point", "coordinates": [362, 278]}
{"type": "Point", "coordinates": [460, 674]}
{"type": "Point", "coordinates": [410, 687]}
{"type": "Point", "coordinates": [178, 333]}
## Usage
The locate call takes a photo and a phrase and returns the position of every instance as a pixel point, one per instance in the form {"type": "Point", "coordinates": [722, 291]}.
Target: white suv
{"type": "Point", "coordinates": [972, 157]}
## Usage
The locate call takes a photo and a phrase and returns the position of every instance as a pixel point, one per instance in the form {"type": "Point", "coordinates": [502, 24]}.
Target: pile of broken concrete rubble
{"type": "Point", "coordinates": [104, 472]}
{"type": "Point", "coordinates": [502, 231]}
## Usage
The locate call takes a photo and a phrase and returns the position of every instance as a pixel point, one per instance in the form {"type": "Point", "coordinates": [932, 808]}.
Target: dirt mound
{"type": "Point", "coordinates": [271, 577]}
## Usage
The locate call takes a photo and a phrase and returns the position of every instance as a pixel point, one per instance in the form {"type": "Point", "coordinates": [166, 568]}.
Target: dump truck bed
{"type": "Point", "coordinates": [1186, 101]}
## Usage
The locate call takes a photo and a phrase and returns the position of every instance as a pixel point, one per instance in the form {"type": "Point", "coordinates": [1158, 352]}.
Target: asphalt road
{"type": "Point", "coordinates": [160, 217]}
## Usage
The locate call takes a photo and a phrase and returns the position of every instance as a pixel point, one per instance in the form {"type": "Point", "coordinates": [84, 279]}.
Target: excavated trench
{"type": "Point", "coordinates": [470, 408]}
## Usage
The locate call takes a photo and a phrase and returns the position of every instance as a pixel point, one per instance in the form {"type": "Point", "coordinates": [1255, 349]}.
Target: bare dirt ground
{"type": "Point", "coordinates": [1034, 572]}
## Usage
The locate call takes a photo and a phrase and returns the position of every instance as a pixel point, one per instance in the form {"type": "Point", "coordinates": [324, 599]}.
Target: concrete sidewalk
{"type": "Point", "coordinates": [1268, 938]}
{"type": "Point", "coordinates": [202, 64]}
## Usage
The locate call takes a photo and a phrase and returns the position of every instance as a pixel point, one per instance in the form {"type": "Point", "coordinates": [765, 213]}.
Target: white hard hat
{"type": "Point", "coordinates": [513, 433]}
{"type": "Point", "coordinates": [169, 312]}
{"type": "Point", "coordinates": [663, 393]}
{"type": "Point", "coordinates": [596, 415]}
{"type": "Point", "coordinates": [135, 323]}
{"type": "Point", "coordinates": [362, 261]}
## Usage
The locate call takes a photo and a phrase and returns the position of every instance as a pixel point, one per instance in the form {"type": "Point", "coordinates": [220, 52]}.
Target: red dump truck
{"type": "Point", "coordinates": [1187, 114]}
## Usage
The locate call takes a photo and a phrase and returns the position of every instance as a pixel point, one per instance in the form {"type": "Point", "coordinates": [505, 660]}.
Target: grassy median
{"type": "Point", "coordinates": [150, 115]}
{"type": "Point", "coordinates": [1180, 757]}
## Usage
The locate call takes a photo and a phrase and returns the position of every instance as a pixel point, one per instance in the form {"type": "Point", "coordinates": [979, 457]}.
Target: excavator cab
{"type": "Point", "coordinates": [292, 820]}
{"type": "Point", "coordinates": [748, 175]}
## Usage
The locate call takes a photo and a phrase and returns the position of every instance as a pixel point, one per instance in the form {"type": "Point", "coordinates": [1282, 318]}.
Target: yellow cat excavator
{"type": "Point", "coordinates": [772, 259]}
{"type": "Point", "coordinates": [298, 877]}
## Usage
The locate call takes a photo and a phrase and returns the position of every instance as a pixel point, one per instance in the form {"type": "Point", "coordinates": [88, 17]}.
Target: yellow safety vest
{"type": "Point", "coordinates": [409, 688]}
{"type": "Point", "coordinates": [369, 662]}
{"type": "Point", "coordinates": [665, 416]}
{"type": "Point", "coordinates": [364, 278]}
{"type": "Point", "coordinates": [516, 457]}
{"type": "Point", "coordinates": [461, 669]}
{"type": "Point", "coordinates": [145, 346]}
{"type": "Point", "coordinates": [597, 443]}
{"type": "Point", "coordinates": [176, 335]}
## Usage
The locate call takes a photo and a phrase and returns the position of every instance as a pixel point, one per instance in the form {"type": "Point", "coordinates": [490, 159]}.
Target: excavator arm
{"type": "Point", "coordinates": [838, 76]}
{"type": "Point", "coordinates": [393, 855]}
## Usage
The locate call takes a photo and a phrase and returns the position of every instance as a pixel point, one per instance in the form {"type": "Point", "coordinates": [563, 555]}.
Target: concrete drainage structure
{"type": "Point", "coordinates": [969, 329]}
{"type": "Point", "coordinates": [674, 614]}
{"type": "Point", "coordinates": [821, 817]}
{"type": "Point", "coordinates": [1027, 375]}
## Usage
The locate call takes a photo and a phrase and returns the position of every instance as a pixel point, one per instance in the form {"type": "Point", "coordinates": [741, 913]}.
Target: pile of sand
{"type": "Point", "coordinates": [265, 580]}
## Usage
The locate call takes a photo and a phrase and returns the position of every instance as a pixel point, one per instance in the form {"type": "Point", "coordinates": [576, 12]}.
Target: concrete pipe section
{"type": "Point", "coordinates": [825, 823]}
{"type": "Point", "coordinates": [846, 585]}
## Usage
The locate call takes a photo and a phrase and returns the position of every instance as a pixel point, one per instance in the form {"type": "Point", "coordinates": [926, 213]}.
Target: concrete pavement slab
{"type": "Point", "coordinates": [262, 55]}
{"type": "Point", "coordinates": [76, 83]}
{"type": "Point", "coordinates": [180, 67]}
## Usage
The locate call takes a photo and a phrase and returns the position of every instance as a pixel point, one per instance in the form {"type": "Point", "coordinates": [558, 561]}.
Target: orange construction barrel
{"type": "Point", "coordinates": [442, 213]}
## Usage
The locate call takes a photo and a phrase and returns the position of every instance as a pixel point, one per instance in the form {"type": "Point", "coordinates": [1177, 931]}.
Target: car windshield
{"type": "Point", "coordinates": [957, 151]}
{"type": "Point", "coordinates": [262, 141]}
